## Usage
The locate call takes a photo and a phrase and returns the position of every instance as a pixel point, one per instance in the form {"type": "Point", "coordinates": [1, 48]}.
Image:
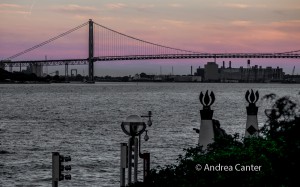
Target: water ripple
{"type": "Point", "coordinates": [84, 121]}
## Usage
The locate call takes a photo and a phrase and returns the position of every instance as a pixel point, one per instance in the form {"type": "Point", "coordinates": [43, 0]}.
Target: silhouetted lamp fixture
{"type": "Point", "coordinates": [149, 122]}
{"type": "Point", "coordinates": [146, 137]}
{"type": "Point", "coordinates": [133, 125]}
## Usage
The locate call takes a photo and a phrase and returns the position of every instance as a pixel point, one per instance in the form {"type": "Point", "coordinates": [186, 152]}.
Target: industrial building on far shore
{"type": "Point", "coordinates": [36, 69]}
{"type": "Point", "coordinates": [211, 72]}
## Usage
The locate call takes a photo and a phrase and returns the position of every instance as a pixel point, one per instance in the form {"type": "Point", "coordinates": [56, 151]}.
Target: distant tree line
{"type": "Point", "coordinates": [21, 77]}
{"type": "Point", "coordinates": [6, 76]}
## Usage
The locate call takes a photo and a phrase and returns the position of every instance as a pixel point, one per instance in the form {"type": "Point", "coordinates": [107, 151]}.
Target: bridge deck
{"type": "Point", "coordinates": [149, 57]}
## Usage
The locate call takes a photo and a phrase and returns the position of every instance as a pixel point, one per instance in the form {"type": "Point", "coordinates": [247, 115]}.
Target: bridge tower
{"type": "Point", "coordinates": [91, 51]}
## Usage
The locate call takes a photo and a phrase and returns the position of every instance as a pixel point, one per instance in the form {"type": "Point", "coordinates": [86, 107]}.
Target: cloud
{"type": "Point", "coordinates": [13, 12]}
{"type": "Point", "coordinates": [115, 5]}
{"type": "Point", "coordinates": [242, 6]}
{"type": "Point", "coordinates": [10, 6]}
{"type": "Point", "coordinates": [12, 9]}
{"type": "Point", "coordinates": [252, 32]}
{"type": "Point", "coordinates": [175, 5]}
{"type": "Point", "coordinates": [267, 35]}
{"type": "Point", "coordinates": [17, 9]}
{"type": "Point", "coordinates": [236, 5]}
{"type": "Point", "coordinates": [287, 23]}
{"type": "Point", "coordinates": [242, 23]}
{"type": "Point", "coordinates": [290, 27]}
{"type": "Point", "coordinates": [73, 8]}
{"type": "Point", "coordinates": [176, 23]}
{"type": "Point", "coordinates": [32, 6]}
{"type": "Point", "coordinates": [146, 6]}
{"type": "Point", "coordinates": [138, 7]}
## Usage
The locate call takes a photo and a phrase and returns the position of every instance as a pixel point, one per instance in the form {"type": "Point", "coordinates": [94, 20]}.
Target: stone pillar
{"type": "Point", "coordinates": [206, 133]}
{"type": "Point", "coordinates": [252, 123]}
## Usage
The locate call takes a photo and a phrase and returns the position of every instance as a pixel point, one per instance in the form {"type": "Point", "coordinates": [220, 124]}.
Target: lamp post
{"type": "Point", "coordinates": [133, 126]}
{"type": "Point", "coordinates": [146, 156]}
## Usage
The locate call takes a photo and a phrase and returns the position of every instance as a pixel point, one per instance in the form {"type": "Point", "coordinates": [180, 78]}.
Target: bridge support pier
{"type": "Point", "coordinates": [91, 51]}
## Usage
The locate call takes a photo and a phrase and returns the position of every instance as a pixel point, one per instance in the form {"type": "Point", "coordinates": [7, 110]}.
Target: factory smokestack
{"type": "Point", "coordinates": [248, 63]}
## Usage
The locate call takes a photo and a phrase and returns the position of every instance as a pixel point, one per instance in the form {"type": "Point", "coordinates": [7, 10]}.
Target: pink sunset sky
{"type": "Point", "coordinates": [212, 26]}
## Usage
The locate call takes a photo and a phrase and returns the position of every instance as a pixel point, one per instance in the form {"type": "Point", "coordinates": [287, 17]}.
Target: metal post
{"type": "Point", "coordinates": [136, 153]}
{"type": "Point", "coordinates": [146, 157]}
{"type": "Point", "coordinates": [55, 170]}
{"type": "Point", "coordinates": [54, 184]}
{"type": "Point", "coordinates": [123, 164]}
{"type": "Point", "coordinates": [91, 50]}
{"type": "Point", "coordinates": [129, 160]}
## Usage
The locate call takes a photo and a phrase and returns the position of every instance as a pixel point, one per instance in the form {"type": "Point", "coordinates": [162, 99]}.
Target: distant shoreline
{"type": "Point", "coordinates": [80, 82]}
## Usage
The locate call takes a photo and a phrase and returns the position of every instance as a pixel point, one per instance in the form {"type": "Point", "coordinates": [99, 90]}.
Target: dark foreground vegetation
{"type": "Point", "coordinates": [276, 150]}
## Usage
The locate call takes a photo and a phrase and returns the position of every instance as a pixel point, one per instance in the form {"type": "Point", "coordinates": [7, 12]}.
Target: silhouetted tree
{"type": "Point", "coordinates": [277, 151]}
{"type": "Point", "coordinates": [143, 75]}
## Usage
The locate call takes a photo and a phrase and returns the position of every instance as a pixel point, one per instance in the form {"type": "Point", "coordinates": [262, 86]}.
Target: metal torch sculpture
{"type": "Point", "coordinates": [206, 132]}
{"type": "Point", "coordinates": [252, 123]}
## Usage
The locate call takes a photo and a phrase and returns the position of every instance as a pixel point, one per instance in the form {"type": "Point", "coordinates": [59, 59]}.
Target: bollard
{"type": "Point", "coordinates": [146, 162]}
{"type": "Point", "coordinates": [58, 168]}
{"type": "Point", "coordinates": [123, 163]}
{"type": "Point", "coordinates": [252, 109]}
{"type": "Point", "coordinates": [136, 156]}
{"type": "Point", "coordinates": [130, 160]}
{"type": "Point", "coordinates": [146, 157]}
{"type": "Point", "coordinates": [55, 169]}
{"type": "Point", "coordinates": [206, 132]}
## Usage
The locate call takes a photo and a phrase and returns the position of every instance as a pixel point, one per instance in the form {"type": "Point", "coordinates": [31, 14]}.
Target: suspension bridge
{"type": "Point", "coordinates": [116, 46]}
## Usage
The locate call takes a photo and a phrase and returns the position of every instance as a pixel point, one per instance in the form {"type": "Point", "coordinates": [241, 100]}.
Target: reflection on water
{"type": "Point", "coordinates": [83, 121]}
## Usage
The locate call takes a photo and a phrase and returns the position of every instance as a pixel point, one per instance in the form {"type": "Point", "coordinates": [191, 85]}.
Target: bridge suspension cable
{"type": "Point", "coordinates": [118, 44]}
{"type": "Point", "coordinates": [48, 41]}
{"type": "Point", "coordinates": [296, 51]}
{"type": "Point", "coordinates": [114, 45]}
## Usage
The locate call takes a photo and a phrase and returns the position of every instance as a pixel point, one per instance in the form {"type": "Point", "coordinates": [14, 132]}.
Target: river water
{"type": "Point", "coordinates": [83, 121]}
